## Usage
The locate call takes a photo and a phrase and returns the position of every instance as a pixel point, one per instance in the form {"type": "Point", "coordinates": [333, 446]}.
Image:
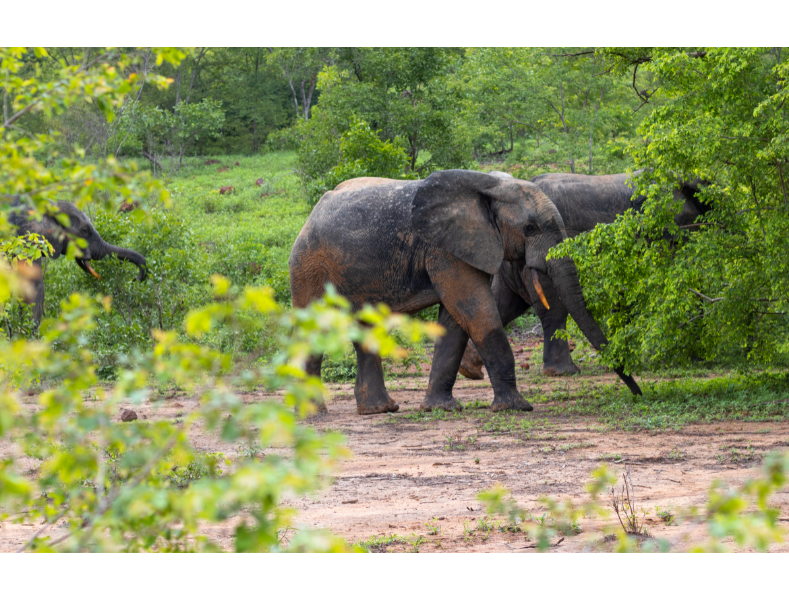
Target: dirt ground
{"type": "Point", "coordinates": [413, 468]}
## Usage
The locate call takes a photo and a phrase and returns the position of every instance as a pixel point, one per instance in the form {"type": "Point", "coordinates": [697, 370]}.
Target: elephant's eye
{"type": "Point", "coordinates": [530, 229]}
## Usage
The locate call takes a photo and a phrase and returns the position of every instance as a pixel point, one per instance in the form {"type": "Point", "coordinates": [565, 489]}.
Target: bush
{"type": "Point", "coordinates": [360, 153]}
{"type": "Point", "coordinates": [142, 486]}
{"type": "Point", "coordinates": [178, 280]}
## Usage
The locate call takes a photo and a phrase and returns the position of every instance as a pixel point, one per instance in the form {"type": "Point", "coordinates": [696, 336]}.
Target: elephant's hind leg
{"type": "Point", "coordinates": [307, 285]}
{"type": "Point", "coordinates": [446, 357]}
{"type": "Point", "coordinates": [370, 391]}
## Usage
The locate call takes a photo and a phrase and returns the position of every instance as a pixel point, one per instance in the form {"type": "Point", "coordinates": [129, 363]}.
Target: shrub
{"type": "Point", "coordinates": [360, 153]}
{"type": "Point", "coordinates": [143, 486]}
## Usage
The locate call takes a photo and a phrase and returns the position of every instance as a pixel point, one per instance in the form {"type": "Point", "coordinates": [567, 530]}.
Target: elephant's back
{"type": "Point", "coordinates": [586, 200]}
{"type": "Point", "coordinates": [357, 237]}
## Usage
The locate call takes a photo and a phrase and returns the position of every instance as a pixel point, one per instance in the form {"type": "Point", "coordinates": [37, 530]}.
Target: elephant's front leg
{"type": "Point", "coordinates": [446, 358]}
{"type": "Point", "coordinates": [370, 391]}
{"type": "Point", "coordinates": [556, 358]}
{"type": "Point", "coordinates": [510, 306]}
{"type": "Point", "coordinates": [465, 292]}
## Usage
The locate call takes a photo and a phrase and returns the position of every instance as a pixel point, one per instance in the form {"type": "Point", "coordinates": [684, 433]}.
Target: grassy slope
{"type": "Point", "coordinates": [250, 231]}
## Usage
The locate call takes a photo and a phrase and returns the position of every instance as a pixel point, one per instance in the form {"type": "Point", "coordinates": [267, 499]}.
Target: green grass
{"type": "Point", "coordinates": [673, 404]}
{"type": "Point", "coordinates": [247, 233]}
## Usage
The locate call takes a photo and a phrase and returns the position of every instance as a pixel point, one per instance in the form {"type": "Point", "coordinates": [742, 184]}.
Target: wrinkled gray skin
{"type": "Point", "coordinates": [414, 244]}
{"type": "Point", "coordinates": [583, 201]}
{"type": "Point", "coordinates": [60, 237]}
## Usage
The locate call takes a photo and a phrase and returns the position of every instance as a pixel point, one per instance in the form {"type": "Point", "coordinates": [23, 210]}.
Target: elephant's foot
{"type": "Point", "coordinates": [374, 409]}
{"type": "Point", "coordinates": [471, 365]}
{"type": "Point", "coordinates": [370, 402]}
{"type": "Point", "coordinates": [560, 370]}
{"type": "Point", "coordinates": [435, 402]}
{"type": "Point", "coordinates": [510, 401]}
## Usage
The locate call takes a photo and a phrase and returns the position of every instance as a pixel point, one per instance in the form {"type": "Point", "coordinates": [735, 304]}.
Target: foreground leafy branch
{"type": "Point", "coordinates": [111, 485]}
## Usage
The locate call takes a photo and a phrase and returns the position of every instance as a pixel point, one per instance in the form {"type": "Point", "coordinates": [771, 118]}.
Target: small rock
{"type": "Point", "coordinates": [178, 405]}
{"type": "Point", "coordinates": [128, 415]}
{"type": "Point", "coordinates": [260, 182]}
{"type": "Point", "coordinates": [236, 163]}
{"type": "Point", "coordinates": [524, 366]}
{"type": "Point", "coordinates": [227, 189]}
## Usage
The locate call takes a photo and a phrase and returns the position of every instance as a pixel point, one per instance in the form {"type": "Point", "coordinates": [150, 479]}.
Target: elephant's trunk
{"type": "Point", "coordinates": [124, 254]}
{"type": "Point", "coordinates": [565, 279]}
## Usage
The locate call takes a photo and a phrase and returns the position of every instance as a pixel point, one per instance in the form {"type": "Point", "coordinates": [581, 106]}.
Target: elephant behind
{"type": "Point", "coordinates": [413, 244]}
{"type": "Point", "coordinates": [60, 236]}
{"type": "Point", "coordinates": [583, 201]}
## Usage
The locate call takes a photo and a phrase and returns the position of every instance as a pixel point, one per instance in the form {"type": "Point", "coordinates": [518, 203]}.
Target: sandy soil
{"type": "Point", "coordinates": [410, 468]}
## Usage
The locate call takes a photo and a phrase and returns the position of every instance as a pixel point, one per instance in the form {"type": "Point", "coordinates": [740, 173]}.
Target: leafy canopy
{"type": "Point", "coordinates": [719, 290]}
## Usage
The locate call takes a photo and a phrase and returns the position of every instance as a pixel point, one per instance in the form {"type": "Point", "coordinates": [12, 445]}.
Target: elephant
{"type": "Point", "coordinates": [583, 201]}
{"type": "Point", "coordinates": [414, 244]}
{"type": "Point", "coordinates": [60, 236]}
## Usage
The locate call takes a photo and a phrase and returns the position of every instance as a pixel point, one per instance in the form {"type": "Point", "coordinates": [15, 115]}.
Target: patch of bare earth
{"type": "Point", "coordinates": [409, 469]}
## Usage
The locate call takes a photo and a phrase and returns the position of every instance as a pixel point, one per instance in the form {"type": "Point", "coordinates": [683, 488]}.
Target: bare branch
{"type": "Point", "coordinates": [703, 297]}
{"type": "Point", "coordinates": [569, 54]}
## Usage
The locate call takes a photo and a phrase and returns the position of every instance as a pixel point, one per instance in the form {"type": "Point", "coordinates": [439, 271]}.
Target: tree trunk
{"type": "Point", "coordinates": [564, 126]}
{"type": "Point", "coordinates": [591, 129]}
{"type": "Point", "coordinates": [177, 84]}
{"type": "Point", "coordinates": [194, 73]}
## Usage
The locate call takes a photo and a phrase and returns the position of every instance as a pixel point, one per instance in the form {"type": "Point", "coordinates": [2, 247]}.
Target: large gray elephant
{"type": "Point", "coordinates": [583, 201]}
{"type": "Point", "coordinates": [60, 236]}
{"type": "Point", "coordinates": [413, 244]}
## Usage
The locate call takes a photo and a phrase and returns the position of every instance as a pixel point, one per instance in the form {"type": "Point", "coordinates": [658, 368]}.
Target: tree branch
{"type": "Point", "coordinates": [703, 297]}
{"type": "Point", "coordinates": [37, 101]}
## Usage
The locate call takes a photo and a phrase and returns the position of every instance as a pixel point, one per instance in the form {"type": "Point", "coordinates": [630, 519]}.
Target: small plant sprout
{"type": "Point", "coordinates": [416, 541]}
{"type": "Point", "coordinates": [433, 528]}
{"type": "Point", "coordinates": [610, 456]}
{"type": "Point", "coordinates": [476, 460]}
{"type": "Point", "coordinates": [676, 454]}
{"type": "Point", "coordinates": [665, 515]}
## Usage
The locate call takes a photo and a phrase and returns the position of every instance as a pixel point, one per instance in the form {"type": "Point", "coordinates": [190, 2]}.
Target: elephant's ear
{"type": "Point", "coordinates": [452, 210]}
{"type": "Point", "coordinates": [48, 228]}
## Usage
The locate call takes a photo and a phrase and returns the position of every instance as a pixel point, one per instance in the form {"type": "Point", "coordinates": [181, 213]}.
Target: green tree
{"type": "Point", "coordinates": [301, 66]}
{"type": "Point", "coordinates": [403, 93]}
{"type": "Point", "coordinates": [721, 291]}
{"type": "Point", "coordinates": [555, 96]}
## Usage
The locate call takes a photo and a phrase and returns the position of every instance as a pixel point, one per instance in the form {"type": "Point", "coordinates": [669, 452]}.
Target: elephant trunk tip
{"type": "Point", "coordinates": [143, 271]}
{"type": "Point", "coordinates": [629, 382]}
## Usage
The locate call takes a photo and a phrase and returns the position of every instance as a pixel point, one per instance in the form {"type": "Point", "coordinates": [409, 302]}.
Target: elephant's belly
{"type": "Point", "coordinates": [417, 302]}
{"type": "Point", "coordinates": [400, 296]}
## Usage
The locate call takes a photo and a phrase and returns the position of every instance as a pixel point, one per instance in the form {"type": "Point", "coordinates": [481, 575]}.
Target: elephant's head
{"type": "Point", "coordinates": [61, 233]}
{"type": "Point", "coordinates": [486, 219]}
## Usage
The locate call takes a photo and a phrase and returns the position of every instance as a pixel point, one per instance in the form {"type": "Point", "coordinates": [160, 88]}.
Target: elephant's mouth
{"type": "Point", "coordinates": [85, 266]}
